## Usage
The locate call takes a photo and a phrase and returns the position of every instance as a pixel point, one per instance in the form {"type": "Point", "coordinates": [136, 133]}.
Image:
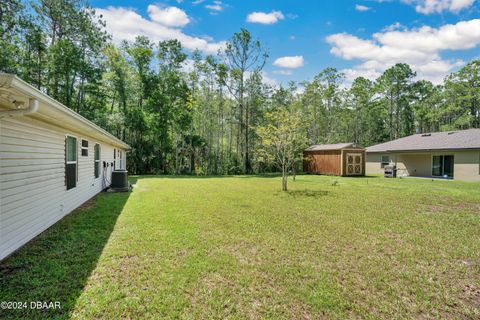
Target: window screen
{"type": "Point", "coordinates": [97, 160]}
{"type": "Point", "coordinates": [71, 149]}
{"type": "Point", "coordinates": [84, 148]}
{"type": "Point", "coordinates": [385, 161]}
{"type": "Point", "coordinates": [70, 162]}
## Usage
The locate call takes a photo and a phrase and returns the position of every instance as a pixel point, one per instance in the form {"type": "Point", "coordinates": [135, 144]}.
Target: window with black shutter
{"type": "Point", "coordinates": [97, 160]}
{"type": "Point", "coordinates": [70, 162]}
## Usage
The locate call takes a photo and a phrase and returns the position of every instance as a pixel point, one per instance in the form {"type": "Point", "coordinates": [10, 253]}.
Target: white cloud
{"type": "Point", "coordinates": [283, 72]}
{"type": "Point", "coordinates": [437, 6]}
{"type": "Point", "coordinates": [188, 65]}
{"type": "Point", "coordinates": [361, 8]}
{"type": "Point", "coordinates": [126, 24]}
{"type": "Point", "coordinates": [268, 80]}
{"type": "Point", "coordinates": [169, 16]}
{"type": "Point", "coordinates": [265, 18]}
{"type": "Point", "coordinates": [216, 6]}
{"type": "Point", "coordinates": [291, 62]}
{"type": "Point", "coordinates": [393, 27]}
{"type": "Point", "coordinates": [418, 47]}
{"type": "Point", "coordinates": [353, 73]}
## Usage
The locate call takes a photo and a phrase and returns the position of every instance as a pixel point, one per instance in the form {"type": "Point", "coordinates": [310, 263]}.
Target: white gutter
{"type": "Point", "coordinates": [32, 108]}
{"type": "Point", "coordinates": [48, 104]}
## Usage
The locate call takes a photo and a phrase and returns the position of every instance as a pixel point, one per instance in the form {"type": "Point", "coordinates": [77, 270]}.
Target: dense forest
{"type": "Point", "coordinates": [185, 113]}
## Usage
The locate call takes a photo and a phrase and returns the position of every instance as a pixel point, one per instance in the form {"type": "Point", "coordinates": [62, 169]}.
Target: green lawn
{"type": "Point", "coordinates": [238, 247]}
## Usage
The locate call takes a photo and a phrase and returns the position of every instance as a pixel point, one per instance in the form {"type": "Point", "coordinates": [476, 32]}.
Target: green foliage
{"type": "Point", "coordinates": [394, 86]}
{"type": "Point", "coordinates": [462, 91]}
{"type": "Point", "coordinates": [12, 20]}
{"type": "Point", "coordinates": [282, 141]}
{"type": "Point", "coordinates": [181, 112]}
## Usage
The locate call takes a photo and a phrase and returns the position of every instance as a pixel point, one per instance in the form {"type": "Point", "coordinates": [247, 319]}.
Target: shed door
{"type": "Point", "coordinates": [354, 164]}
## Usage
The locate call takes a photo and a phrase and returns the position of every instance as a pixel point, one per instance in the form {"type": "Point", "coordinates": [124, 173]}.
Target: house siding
{"type": "Point", "coordinates": [415, 165]}
{"type": "Point", "coordinates": [32, 178]}
{"type": "Point", "coordinates": [466, 164]}
{"type": "Point", "coordinates": [374, 161]}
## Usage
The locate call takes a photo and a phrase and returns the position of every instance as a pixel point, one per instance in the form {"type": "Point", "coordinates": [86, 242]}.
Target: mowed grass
{"type": "Point", "coordinates": [237, 247]}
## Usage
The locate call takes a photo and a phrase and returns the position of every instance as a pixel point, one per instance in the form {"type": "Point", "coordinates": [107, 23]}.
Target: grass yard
{"type": "Point", "coordinates": [237, 247]}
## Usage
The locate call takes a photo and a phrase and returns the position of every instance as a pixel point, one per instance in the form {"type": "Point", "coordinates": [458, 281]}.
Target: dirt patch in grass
{"type": "Point", "coordinates": [8, 270]}
{"type": "Point", "coordinates": [88, 204]}
{"type": "Point", "coordinates": [307, 193]}
{"type": "Point", "coordinates": [472, 295]}
{"type": "Point", "coordinates": [463, 207]}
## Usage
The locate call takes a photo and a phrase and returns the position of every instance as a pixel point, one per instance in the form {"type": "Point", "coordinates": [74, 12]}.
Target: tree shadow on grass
{"type": "Point", "coordinates": [56, 265]}
{"type": "Point", "coordinates": [307, 193]}
{"type": "Point", "coordinates": [166, 176]}
{"type": "Point", "coordinates": [249, 176]}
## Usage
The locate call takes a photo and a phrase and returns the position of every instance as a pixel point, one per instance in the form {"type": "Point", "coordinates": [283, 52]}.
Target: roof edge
{"type": "Point", "coordinates": [424, 150]}
{"type": "Point", "coordinates": [13, 81]}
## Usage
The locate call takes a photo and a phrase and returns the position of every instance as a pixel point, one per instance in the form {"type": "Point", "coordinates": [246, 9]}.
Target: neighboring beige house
{"type": "Point", "coordinates": [449, 155]}
{"type": "Point", "coordinates": [51, 161]}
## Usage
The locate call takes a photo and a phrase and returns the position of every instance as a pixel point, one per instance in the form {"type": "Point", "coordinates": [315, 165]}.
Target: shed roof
{"type": "Point", "coordinates": [335, 146]}
{"type": "Point", "coordinates": [52, 111]}
{"type": "Point", "coordinates": [450, 140]}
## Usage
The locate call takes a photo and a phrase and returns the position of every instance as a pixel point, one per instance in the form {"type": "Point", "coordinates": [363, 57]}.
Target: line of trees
{"type": "Point", "coordinates": [185, 113]}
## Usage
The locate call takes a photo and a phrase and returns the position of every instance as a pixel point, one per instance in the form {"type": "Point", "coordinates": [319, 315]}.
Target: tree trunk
{"type": "Point", "coordinates": [192, 161]}
{"type": "Point", "coordinates": [284, 178]}
{"type": "Point", "coordinates": [390, 116]}
{"type": "Point", "coordinates": [221, 132]}
{"type": "Point", "coordinates": [247, 149]}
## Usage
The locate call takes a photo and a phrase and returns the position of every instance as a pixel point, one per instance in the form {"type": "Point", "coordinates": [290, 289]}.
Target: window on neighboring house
{"type": "Point", "coordinates": [443, 166]}
{"type": "Point", "coordinates": [84, 148]}
{"type": "Point", "coordinates": [385, 161]}
{"type": "Point", "coordinates": [97, 160]}
{"type": "Point", "coordinates": [70, 162]}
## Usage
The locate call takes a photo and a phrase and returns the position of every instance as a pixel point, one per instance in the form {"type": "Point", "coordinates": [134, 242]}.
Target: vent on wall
{"type": "Point", "coordinates": [426, 135]}
{"type": "Point", "coordinates": [450, 133]}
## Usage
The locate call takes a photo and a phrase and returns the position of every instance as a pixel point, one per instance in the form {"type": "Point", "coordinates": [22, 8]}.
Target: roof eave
{"type": "Point", "coordinates": [425, 150]}
{"type": "Point", "coordinates": [12, 81]}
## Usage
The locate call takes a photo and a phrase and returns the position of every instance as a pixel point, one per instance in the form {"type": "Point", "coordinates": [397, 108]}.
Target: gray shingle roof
{"type": "Point", "coordinates": [336, 146]}
{"type": "Point", "coordinates": [464, 139]}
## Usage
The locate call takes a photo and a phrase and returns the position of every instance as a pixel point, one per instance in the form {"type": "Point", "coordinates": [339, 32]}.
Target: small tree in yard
{"type": "Point", "coordinates": [282, 141]}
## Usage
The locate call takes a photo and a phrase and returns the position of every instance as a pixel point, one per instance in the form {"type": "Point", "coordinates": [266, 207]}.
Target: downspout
{"type": "Point", "coordinates": [32, 108]}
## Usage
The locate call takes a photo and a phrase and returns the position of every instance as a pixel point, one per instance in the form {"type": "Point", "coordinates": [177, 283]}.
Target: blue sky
{"type": "Point", "coordinates": [360, 38]}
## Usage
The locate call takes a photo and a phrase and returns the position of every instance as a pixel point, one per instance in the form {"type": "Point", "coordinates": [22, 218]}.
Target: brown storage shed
{"type": "Point", "coordinates": [341, 159]}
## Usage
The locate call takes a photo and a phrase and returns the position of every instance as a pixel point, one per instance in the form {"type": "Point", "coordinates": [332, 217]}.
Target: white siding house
{"type": "Point", "coordinates": [447, 155]}
{"type": "Point", "coordinates": [40, 181]}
